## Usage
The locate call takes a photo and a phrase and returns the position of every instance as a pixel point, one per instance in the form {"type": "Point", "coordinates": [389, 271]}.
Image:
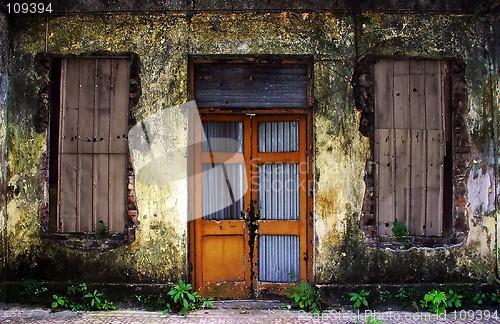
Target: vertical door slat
{"type": "Point", "coordinates": [117, 191]}
{"type": "Point", "coordinates": [67, 193]}
{"type": "Point", "coordinates": [101, 146]}
{"type": "Point", "coordinates": [119, 106]}
{"type": "Point", "coordinates": [402, 176]}
{"type": "Point", "coordinates": [384, 88]}
{"type": "Point", "coordinates": [417, 95]}
{"type": "Point", "coordinates": [86, 104]}
{"type": "Point", "coordinates": [102, 108]}
{"type": "Point", "coordinates": [418, 174]}
{"type": "Point", "coordinates": [385, 180]}
{"type": "Point", "coordinates": [401, 94]}
{"type": "Point", "coordinates": [433, 107]}
{"type": "Point", "coordinates": [68, 147]}
{"type": "Point", "coordinates": [435, 160]}
{"type": "Point", "coordinates": [69, 113]}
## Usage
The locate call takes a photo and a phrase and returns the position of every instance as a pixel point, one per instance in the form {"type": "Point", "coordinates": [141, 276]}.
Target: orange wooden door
{"type": "Point", "coordinates": [250, 180]}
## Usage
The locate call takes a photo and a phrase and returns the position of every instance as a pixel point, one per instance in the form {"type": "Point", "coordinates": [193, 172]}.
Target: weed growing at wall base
{"type": "Point", "coordinates": [306, 296]}
{"type": "Point", "coordinates": [359, 298]}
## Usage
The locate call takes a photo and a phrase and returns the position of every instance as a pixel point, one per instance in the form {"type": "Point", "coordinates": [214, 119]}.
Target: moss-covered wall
{"type": "Point", "coordinates": [3, 108]}
{"type": "Point", "coordinates": [163, 42]}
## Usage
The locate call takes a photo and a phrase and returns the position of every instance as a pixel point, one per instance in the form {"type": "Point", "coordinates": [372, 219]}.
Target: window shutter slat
{"type": "Point", "coordinates": [384, 87]}
{"type": "Point", "coordinates": [385, 180]}
{"type": "Point", "coordinates": [417, 183]}
{"type": "Point", "coordinates": [435, 160]}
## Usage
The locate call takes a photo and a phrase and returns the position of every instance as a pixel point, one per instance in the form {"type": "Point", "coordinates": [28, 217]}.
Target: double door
{"type": "Point", "coordinates": [250, 204]}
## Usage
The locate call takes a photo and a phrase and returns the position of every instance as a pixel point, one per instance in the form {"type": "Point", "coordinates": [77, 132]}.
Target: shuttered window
{"type": "Point", "coordinates": [92, 144]}
{"type": "Point", "coordinates": [410, 145]}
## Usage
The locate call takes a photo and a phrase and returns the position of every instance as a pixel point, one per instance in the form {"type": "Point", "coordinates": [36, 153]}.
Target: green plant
{"type": "Point", "coordinates": [181, 294]}
{"type": "Point", "coordinates": [479, 298]}
{"type": "Point", "coordinates": [207, 302]}
{"type": "Point", "coordinates": [400, 231]}
{"type": "Point", "coordinates": [80, 298]}
{"type": "Point", "coordinates": [359, 298]}
{"type": "Point", "coordinates": [60, 301]}
{"type": "Point", "coordinates": [453, 299]}
{"type": "Point", "coordinates": [102, 229]}
{"type": "Point", "coordinates": [495, 298]}
{"type": "Point", "coordinates": [384, 296]}
{"type": "Point", "coordinates": [33, 289]}
{"type": "Point", "coordinates": [153, 302]}
{"type": "Point", "coordinates": [95, 298]}
{"type": "Point", "coordinates": [407, 297]}
{"type": "Point", "coordinates": [435, 301]}
{"type": "Point", "coordinates": [306, 296]}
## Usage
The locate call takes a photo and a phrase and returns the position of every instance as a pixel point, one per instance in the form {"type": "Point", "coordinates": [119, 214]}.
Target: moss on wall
{"type": "Point", "coordinates": [163, 42]}
{"type": "Point", "coordinates": [3, 109]}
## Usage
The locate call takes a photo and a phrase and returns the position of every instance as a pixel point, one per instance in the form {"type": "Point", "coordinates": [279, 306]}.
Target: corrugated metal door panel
{"type": "Point", "coordinates": [279, 258]}
{"type": "Point", "coordinates": [278, 136]}
{"type": "Point", "coordinates": [223, 136]}
{"type": "Point", "coordinates": [279, 192]}
{"type": "Point", "coordinates": [223, 191]}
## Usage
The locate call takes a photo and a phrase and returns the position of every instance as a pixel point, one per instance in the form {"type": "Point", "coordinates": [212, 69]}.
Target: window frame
{"type": "Point", "coordinates": [458, 153]}
{"type": "Point", "coordinates": [48, 66]}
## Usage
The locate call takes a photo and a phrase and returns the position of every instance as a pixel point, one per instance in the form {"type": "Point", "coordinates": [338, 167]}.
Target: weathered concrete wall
{"type": "Point", "coordinates": [3, 108]}
{"type": "Point", "coordinates": [343, 255]}
{"type": "Point", "coordinates": [163, 42]}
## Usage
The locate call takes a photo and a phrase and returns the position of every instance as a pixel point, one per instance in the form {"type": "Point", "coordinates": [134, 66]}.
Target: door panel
{"type": "Point", "coordinates": [223, 258]}
{"type": "Point", "coordinates": [279, 258]}
{"type": "Point", "coordinates": [246, 240]}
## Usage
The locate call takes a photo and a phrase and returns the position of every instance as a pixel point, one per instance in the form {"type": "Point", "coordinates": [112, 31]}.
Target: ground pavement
{"type": "Point", "coordinates": [247, 316]}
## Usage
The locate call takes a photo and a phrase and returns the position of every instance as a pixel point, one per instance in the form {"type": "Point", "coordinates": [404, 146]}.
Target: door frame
{"type": "Point", "coordinates": [194, 225]}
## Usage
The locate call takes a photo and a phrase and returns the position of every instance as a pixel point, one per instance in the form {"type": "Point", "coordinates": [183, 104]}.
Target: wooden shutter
{"type": "Point", "coordinates": [409, 145]}
{"type": "Point", "coordinates": [93, 150]}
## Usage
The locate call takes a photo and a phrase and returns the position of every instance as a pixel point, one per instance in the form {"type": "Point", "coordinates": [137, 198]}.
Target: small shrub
{"type": "Point", "coordinates": [400, 231]}
{"type": "Point", "coordinates": [384, 296]}
{"type": "Point", "coordinates": [188, 300]}
{"type": "Point", "coordinates": [359, 298]}
{"type": "Point", "coordinates": [435, 301]}
{"type": "Point", "coordinates": [306, 296]}
{"type": "Point", "coordinates": [32, 289]}
{"type": "Point", "coordinates": [495, 298]}
{"type": "Point", "coordinates": [479, 298]}
{"type": "Point", "coordinates": [80, 298]}
{"type": "Point", "coordinates": [453, 299]}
